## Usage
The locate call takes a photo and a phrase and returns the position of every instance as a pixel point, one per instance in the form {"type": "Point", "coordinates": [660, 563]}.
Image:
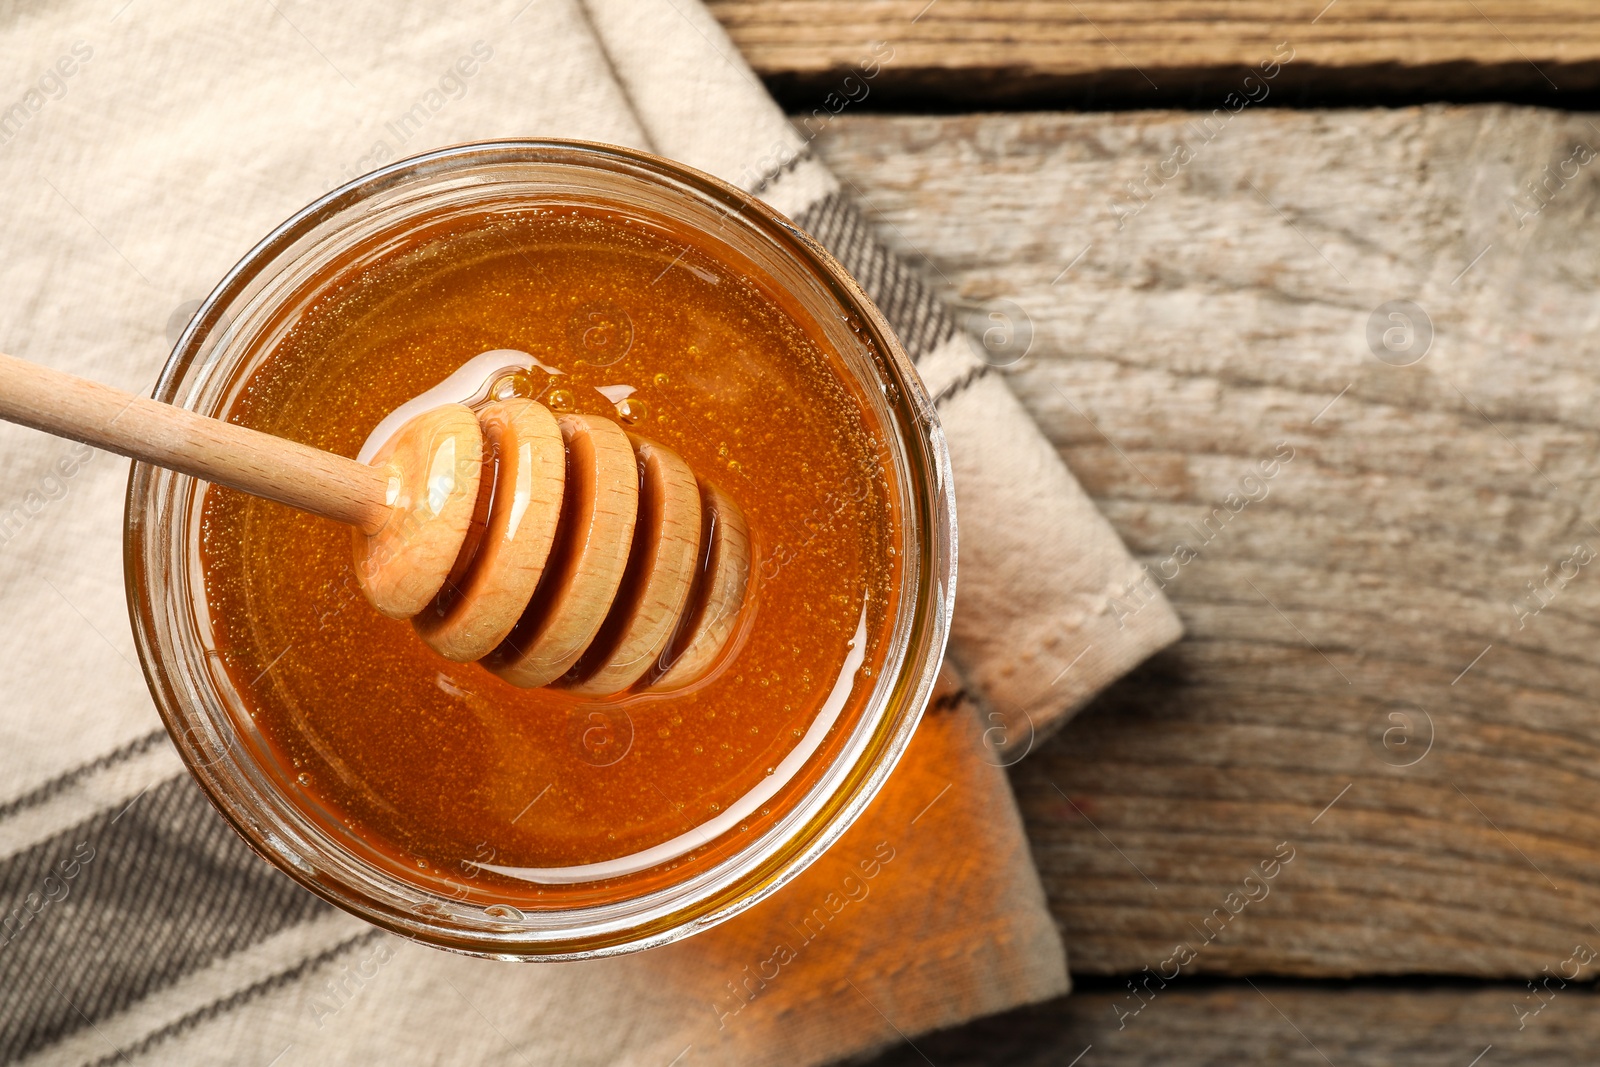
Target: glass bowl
{"type": "Point", "coordinates": [225, 341]}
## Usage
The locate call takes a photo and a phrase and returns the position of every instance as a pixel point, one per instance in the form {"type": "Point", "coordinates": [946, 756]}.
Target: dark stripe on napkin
{"type": "Point", "coordinates": [124, 903]}
{"type": "Point", "coordinates": [917, 316]}
{"type": "Point", "coordinates": [33, 798]}
{"type": "Point", "coordinates": [234, 1000]}
{"type": "Point", "coordinates": [962, 384]}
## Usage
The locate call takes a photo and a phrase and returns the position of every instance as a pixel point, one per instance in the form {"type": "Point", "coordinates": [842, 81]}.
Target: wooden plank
{"type": "Point", "coordinates": [1276, 1023]}
{"type": "Point", "coordinates": [1144, 52]}
{"type": "Point", "coordinates": [1378, 581]}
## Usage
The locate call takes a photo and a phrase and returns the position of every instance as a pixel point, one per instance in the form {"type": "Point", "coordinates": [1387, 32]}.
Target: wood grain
{"type": "Point", "coordinates": [661, 572]}
{"type": "Point", "coordinates": [1171, 51]}
{"type": "Point", "coordinates": [1286, 1025]}
{"type": "Point", "coordinates": [515, 522]}
{"type": "Point", "coordinates": [599, 508]}
{"type": "Point", "coordinates": [1370, 586]}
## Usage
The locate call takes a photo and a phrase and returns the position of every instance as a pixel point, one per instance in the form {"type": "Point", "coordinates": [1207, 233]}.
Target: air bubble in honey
{"type": "Point", "coordinates": [517, 383]}
{"type": "Point", "coordinates": [560, 400]}
{"type": "Point", "coordinates": [632, 410]}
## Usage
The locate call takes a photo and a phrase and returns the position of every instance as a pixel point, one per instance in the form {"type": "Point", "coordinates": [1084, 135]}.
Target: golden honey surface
{"type": "Point", "coordinates": [433, 768]}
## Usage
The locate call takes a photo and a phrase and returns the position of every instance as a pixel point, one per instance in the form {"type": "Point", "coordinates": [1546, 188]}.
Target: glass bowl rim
{"type": "Point", "coordinates": [925, 452]}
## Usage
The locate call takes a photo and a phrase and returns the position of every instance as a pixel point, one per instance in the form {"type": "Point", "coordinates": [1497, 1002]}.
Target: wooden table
{"type": "Point", "coordinates": [964, 53]}
{"type": "Point", "coordinates": [1369, 681]}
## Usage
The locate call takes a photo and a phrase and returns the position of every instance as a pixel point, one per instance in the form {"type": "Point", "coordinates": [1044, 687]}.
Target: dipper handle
{"type": "Point", "coordinates": [248, 460]}
{"type": "Point", "coordinates": [591, 560]}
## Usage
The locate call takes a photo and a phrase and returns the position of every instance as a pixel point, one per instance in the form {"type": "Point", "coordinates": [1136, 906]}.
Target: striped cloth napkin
{"type": "Point", "coordinates": [144, 148]}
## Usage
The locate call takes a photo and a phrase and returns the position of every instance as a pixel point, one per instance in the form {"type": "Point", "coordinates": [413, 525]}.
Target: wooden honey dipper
{"type": "Point", "coordinates": [554, 551]}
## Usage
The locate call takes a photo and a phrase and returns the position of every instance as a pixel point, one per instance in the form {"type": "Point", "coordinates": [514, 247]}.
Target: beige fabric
{"type": "Point", "coordinates": [185, 131]}
{"type": "Point", "coordinates": [924, 936]}
{"type": "Point", "coordinates": [1079, 613]}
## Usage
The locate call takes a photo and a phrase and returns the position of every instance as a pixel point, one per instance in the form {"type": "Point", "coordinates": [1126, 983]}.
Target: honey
{"type": "Point", "coordinates": [526, 798]}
